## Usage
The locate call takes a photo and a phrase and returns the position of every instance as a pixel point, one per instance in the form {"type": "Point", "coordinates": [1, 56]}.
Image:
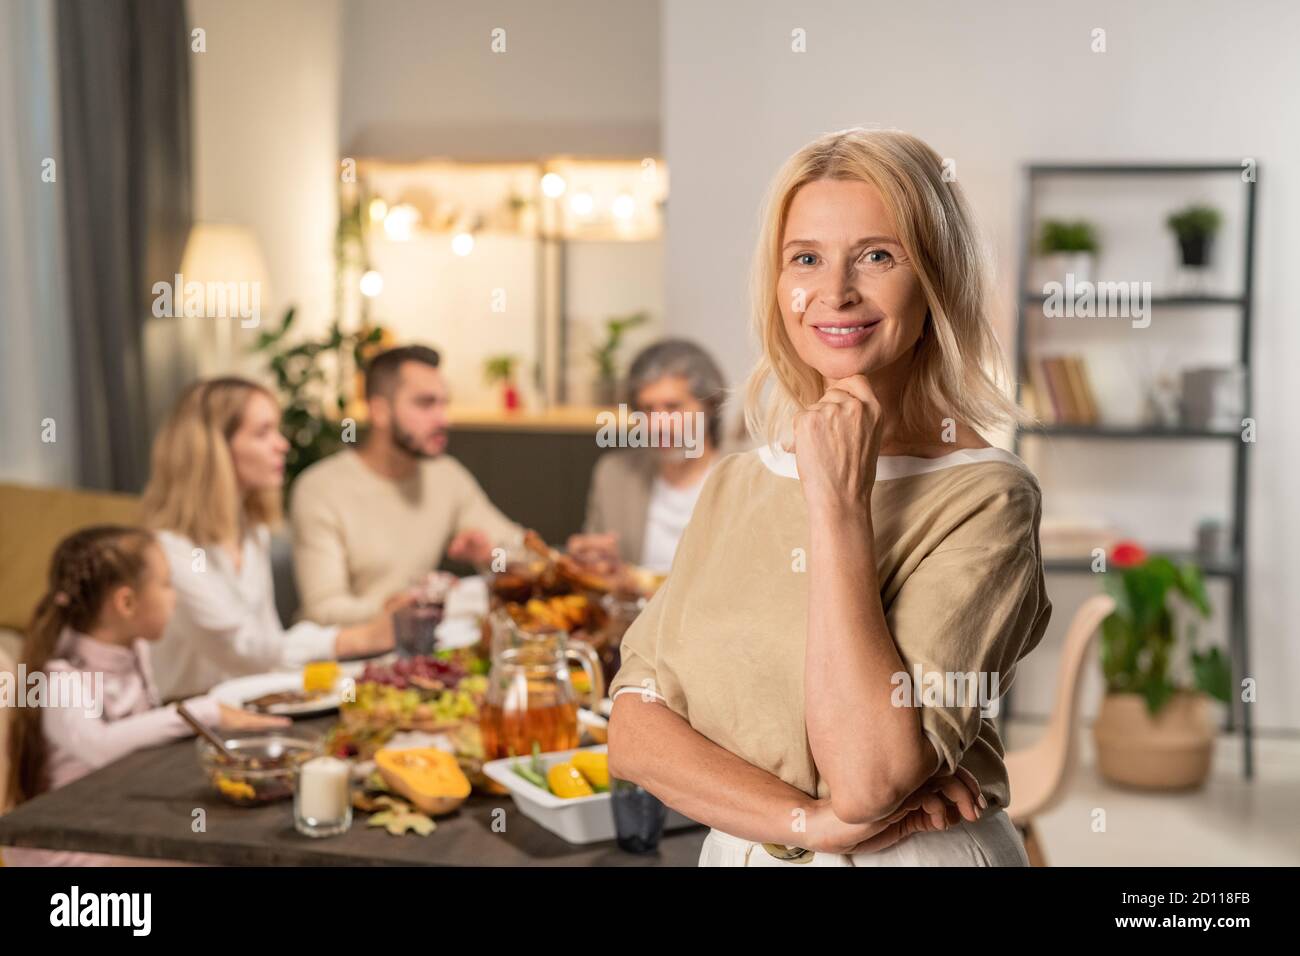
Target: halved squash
{"type": "Point", "coordinates": [428, 777]}
{"type": "Point", "coordinates": [594, 767]}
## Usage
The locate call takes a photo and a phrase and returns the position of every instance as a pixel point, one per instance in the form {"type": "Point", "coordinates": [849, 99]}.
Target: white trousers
{"type": "Point", "coordinates": [991, 841]}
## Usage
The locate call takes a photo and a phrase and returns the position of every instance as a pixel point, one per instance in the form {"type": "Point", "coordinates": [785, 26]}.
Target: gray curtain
{"type": "Point", "coordinates": [124, 98]}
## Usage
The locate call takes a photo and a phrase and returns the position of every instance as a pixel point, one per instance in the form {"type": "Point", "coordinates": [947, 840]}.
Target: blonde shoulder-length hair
{"type": "Point", "coordinates": [192, 486]}
{"type": "Point", "coordinates": [958, 370]}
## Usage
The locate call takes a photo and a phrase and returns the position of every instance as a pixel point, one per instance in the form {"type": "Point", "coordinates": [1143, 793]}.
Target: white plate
{"type": "Point", "coordinates": [236, 692]}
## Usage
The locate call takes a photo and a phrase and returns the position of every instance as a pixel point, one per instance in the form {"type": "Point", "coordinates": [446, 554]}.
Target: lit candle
{"type": "Point", "coordinates": [323, 802]}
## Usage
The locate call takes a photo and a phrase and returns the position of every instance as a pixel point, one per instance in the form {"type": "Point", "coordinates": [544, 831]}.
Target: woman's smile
{"type": "Point", "coordinates": [844, 336]}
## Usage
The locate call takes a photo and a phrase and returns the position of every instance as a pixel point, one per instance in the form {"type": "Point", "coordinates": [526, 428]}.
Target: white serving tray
{"type": "Point", "coordinates": [574, 820]}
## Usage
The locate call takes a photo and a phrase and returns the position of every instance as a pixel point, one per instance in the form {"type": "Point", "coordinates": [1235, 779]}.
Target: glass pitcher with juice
{"type": "Point", "coordinates": [530, 696]}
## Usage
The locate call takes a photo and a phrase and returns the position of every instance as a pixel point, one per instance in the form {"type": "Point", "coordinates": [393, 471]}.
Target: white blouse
{"type": "Point", "coordinates": [225, 624]}
{"type": "Point", "coordinates": [666, 518]}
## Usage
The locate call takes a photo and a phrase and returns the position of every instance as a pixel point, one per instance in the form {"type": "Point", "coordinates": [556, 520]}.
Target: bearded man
{"type": "Point", "coordinates": [369, 522]}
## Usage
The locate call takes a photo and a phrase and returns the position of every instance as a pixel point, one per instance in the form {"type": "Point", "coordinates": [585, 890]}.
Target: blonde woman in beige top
{"type": "Point", "coordinates": [817, 678]}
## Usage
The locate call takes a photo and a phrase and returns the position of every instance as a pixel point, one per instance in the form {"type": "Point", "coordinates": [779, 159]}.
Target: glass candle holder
{"type": "Point", "coordinates": [322, 799]}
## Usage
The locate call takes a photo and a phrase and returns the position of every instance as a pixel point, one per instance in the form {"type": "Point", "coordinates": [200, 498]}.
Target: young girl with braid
{"type": "Point", "coordinates": [109, 595]}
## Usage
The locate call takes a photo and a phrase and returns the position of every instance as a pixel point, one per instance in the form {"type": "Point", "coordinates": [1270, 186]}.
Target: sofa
{"type": "Point", "coordinates": [32, 523]}
{"type": "Point", "coordinates": [34, 520]}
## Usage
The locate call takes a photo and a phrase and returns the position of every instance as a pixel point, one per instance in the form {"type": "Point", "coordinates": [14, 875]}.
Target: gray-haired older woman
{"type": "Point", "coordinates": [642, 497]}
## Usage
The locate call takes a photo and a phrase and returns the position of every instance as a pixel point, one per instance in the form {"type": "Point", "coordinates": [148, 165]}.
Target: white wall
{"type": "Point", "coordinates": [994, 86]}
{"type": "Point", "coordinates": [266, 139]}
{"type": "Point", "coordinates": [420, 79]}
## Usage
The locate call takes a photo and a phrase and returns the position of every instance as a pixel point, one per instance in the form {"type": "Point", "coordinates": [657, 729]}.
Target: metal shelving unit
{"type": "Point", "coordinates": [1234, 569]}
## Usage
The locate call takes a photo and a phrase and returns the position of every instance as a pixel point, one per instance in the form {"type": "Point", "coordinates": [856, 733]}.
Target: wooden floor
{"type": "Point", "coordinates": [1231, 822]}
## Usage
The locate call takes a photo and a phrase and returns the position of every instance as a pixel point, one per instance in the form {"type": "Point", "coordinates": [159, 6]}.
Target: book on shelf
{"type": "Point", "coordinates": [1060, 392]}
{"type": "Point", "coordinates": [1074, 538]}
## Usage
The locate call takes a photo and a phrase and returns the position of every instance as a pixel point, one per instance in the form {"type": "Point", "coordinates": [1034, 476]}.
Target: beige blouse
{"type": "Point", "coordinates": [961, 583]}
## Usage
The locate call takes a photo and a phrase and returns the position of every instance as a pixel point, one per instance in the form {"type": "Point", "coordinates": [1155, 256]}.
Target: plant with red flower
{"type": "Point", "coordinates": [1138, 638]}
{"type": "Point", "coordinates": [1125, 554]}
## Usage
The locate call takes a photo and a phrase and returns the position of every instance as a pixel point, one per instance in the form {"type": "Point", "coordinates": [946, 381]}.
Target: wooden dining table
{"type": "Point", "coordinates": [147, 805]}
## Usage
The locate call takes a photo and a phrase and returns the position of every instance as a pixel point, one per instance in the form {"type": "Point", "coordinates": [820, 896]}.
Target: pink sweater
{"type": "Point", "coordinates": [98, 731]}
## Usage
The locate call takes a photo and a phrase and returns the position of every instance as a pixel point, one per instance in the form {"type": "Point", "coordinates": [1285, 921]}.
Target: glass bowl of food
{"type": "Point", "coordinates": [262, 769]}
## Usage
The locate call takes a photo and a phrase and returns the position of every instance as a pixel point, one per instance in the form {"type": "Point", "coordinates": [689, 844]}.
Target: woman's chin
{"type": "Point", "coordinates": [835, 367]}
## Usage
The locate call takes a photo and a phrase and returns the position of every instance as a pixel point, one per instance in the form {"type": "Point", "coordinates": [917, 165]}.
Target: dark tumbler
{"type": "Point", "coordinates": [638, 817]}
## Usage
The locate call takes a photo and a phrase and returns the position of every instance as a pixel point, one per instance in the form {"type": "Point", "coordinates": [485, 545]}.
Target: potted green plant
{"type": "Point", "coordinates": [606, 355]}
{"type": "Point", "coordinates": [317, 385]}
{"type": "Point", "coordinates": [501, 368]}
{"type": "Point", "coordinates": [1154, 730]}
{"type": "Point", "coordinates": [1195, 227]}
{"type": "Point", "coordinates": [1065, 248]}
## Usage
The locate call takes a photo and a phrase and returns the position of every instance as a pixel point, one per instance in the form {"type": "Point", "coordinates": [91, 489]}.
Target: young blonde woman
{"type": "Point", "coordinates": [213, 495]}
{"type": "Point", "coordinates": [770, 689]}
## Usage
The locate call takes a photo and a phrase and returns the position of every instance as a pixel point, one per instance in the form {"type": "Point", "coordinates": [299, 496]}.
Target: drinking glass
{"type": "Point", "coordinates": [639, 816]}
{"type": "Point", "coordinates": [415, 626]}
